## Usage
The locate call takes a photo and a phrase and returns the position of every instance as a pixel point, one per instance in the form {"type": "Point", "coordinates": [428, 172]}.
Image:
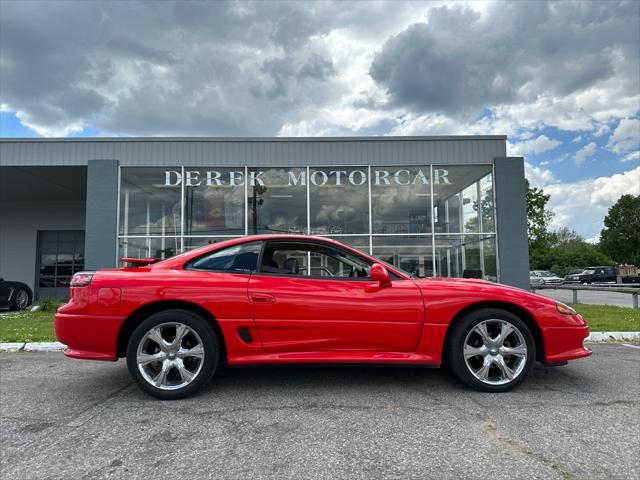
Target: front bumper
{"type": "Point", "coordinates": [565, 343]}
{"type": "Point", "coordinates": [92, 337]}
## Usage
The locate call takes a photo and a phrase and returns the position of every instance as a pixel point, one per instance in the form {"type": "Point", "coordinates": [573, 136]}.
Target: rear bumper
{"type": "Point", "coordinates": [92, 337]}
{"type": "Point", "coordinates": [565, 343]}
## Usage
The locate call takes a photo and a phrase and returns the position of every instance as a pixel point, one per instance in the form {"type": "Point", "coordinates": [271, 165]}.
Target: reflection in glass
{"type": "Point", "coordinates": [61, 255]}
{"type": "Point", "coordinates": [147, 205]}
{"type": "Point", "coordinates": [463, 199]}
{"type": "Point", "coordinates": [359, 243]}
{"type": "Point", "coordinates": [469, 256]}
{"type": "Point", "coordinates": [410, 253]}
{"type": "Point", "coordinates": [277, 201]}
{"type": "Point", "coordinates": [214, 201]}
{"type": "Point", "coordinates": [401, 200]}
{"type": "Point", "coordinates": [150, 247]}
{"type": "Point", "coordinates": [339, 200]}
{"type": "Point", "coordinates": [196, 242]}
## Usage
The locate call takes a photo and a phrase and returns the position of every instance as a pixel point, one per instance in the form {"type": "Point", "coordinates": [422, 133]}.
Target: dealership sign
{"type": "Point", "coordinates": [214, 178]}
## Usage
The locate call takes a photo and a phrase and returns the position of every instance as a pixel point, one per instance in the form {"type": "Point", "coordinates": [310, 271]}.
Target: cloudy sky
{"type": "Point", "coordinates": [562, 80]}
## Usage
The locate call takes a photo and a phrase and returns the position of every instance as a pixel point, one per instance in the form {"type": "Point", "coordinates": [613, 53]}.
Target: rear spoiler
{"type": "Point", "coordinates": [139, 262]}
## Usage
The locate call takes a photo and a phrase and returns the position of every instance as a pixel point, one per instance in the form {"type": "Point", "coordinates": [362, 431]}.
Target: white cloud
{"type": "Point", "coordinates": [585, 152]}
{"type": "Point", "coordinates": [577, 139]}
{"type": "Point", "coordinates": [583, 205]}
{"type": "Point", "coordinates": [626, 136]}
{"type": "Point", "coordinates": [535, 146]}
{"type": "Point", "coordinates": [537, 176]}
{"type": "Point", "coordinates": [631, 156]}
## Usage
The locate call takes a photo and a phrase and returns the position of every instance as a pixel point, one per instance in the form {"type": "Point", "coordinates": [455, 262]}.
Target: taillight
{"type": "Point", "coordinates": [81, 279]}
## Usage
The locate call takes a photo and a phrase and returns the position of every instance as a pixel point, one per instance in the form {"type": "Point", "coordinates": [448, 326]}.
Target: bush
{"type": "Point", "coordinates": [49, 304]}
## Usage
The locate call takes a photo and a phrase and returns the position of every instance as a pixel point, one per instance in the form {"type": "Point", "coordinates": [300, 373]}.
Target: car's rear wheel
{"type": "Point", "coordinates": [491, 350]}
{"type": "Point", "coordinates": [21, 300]}
{"type": "Point", "coordinates": [172, 354]}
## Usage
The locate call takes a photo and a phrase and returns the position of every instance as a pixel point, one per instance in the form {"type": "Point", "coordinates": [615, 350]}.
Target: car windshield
{"type": "Point", "coordinates": [588, 272]}
{"type": "Point", "coordinates": [547, 274]}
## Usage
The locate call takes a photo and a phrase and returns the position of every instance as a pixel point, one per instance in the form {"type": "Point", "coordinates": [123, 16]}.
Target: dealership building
{"type": "Point", "coordinates": [438, 206]}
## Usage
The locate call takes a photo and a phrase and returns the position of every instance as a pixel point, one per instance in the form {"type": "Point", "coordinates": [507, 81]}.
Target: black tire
{"type": "Point", "coordinates": [455, 348]}
{"type": "Point", "coordinates": [18, 295]}
{"type": "Point", "coordinates": [210, 345]}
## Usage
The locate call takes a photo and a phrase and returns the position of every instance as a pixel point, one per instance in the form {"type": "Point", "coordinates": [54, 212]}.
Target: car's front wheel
{"type": "Point", "coordinates": [172, 354]}
{"type": "Point", "coordinates": [491, 350]}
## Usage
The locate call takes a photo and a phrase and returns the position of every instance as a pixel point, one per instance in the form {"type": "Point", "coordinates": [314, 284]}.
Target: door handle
{"type": "Point", "coordinates": [262, 298]}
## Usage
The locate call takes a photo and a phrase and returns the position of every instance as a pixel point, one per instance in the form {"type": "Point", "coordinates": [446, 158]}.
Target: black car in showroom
{"type": "Point", "coordinates": [601, 274]}
{"type": "Point", "coordinates": [14, 295]}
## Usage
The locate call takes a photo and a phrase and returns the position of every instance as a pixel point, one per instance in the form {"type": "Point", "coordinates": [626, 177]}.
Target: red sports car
{"type": "Point", "coordinates": [286, 299]}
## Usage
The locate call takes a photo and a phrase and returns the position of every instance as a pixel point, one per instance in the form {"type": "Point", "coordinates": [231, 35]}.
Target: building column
{"type": "Point", "coordinates": [101, 224]}
{"type": "Point", "coordinates": [511, 216]}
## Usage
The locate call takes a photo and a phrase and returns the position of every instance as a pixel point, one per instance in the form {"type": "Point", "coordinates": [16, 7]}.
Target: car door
{"type": "Point", "coordinates": [305, 301]}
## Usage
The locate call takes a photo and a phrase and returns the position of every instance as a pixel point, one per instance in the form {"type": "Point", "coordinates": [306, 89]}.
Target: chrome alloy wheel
{"type": "Point", "coordinates": [170, 356]}
{"type": "Point", "coordinates": [495, 352]}
{"type": "Point", "coordinates": [22, 299]}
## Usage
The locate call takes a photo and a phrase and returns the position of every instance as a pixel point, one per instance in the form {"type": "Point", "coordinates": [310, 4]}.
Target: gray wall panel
{"type": "Point", "coordinates": [19, 226]}
{"type": "Point", "coordinates": [511, 214]}
{"type": "Point", "coordinates": [258, 152]}
{"type": "Point", "coordinates": [102, 214]}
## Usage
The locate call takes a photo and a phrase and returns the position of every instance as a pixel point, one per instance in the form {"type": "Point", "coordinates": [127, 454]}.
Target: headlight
{"type": "Point", "coordinates": [565, 309]}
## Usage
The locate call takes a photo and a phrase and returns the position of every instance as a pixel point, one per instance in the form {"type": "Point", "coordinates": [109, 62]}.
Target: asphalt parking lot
{"type": "Point", "coordinates": [63, 418]}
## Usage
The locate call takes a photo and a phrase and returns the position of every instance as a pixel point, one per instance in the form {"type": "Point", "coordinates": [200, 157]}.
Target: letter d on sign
{"type": "Point", "coordinates": [168, 175]}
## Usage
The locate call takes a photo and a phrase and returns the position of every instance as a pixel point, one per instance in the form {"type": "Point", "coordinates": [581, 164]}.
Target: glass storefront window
{"type": "Point", "coordinates": [410, 253]}
{"type": "Point", "coordinates": [277, 201]}
{"type": "Point", "coordinates": [451, 233]}
{"type": "Point", "coordinates": [359, 243]}
{"type": "Point", "coordinates": [463, 199]}
{"type": "Point", "coordinates": [191, 243]}
{"type": "Point", "coordinates": [155, 247]}
{"type": "Point", "coordinates": [149, 204]}
{"type": "Point", "coordinates": [401, 200]}
{"type": "Point", "coordinates": [339, 200]}
{"type": "Point", "coordinates": [214, 201]}
{"type": "Point", "coordinates": [470, 256]}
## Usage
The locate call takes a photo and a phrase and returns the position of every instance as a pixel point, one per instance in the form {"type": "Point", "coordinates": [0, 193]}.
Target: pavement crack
{"type": "Point", "coordinates": [503, 441]}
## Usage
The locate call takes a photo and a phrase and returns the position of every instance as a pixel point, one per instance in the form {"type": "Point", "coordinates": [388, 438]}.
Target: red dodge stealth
{"type": "Point", "coordinates": [289, 299]}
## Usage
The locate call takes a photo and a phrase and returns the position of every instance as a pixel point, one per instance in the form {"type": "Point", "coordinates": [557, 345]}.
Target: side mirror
{"type": "Point", "coordinates": [379, 273]}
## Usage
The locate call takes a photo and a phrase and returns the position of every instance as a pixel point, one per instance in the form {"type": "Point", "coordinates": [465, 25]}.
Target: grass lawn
{"type": "Point", "coordinates": [605, 318]}
{"type": "Point", "coordinates": [38, 326]}
{"type": "Point", "coordinates": [27, 327]}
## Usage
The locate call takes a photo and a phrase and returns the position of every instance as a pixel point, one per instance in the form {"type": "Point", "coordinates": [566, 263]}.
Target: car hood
{"type": "Point", "coordinates": [498, 291]}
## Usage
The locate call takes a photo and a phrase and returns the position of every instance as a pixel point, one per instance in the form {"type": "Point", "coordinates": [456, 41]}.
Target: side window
{"type": "Point", "coordinates": [241, 258]}
{"type": "Point", "coordinates": [312, 260]}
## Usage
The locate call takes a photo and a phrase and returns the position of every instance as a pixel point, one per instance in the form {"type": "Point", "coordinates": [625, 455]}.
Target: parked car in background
{"type": "Point", "coordinates": [287, 299]}
{"type": "Point", "coordinates": [543, 277]}
{"type": "Point", "coordinates": [14, 295]}
{"type": "Point", "coordinates": [601, 274]}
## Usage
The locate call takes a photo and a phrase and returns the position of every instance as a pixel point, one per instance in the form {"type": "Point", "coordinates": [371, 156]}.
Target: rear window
{"type": "Point", "coordinates": [241, 258]}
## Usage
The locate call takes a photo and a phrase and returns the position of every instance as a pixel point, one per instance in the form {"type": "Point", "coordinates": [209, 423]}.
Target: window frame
{"type": "Point", "coordinates": [303, 242]}
{"type": "Point", "coordinates": [189, 265]}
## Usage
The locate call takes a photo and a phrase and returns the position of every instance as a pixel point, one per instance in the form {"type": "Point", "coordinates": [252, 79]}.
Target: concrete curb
{"type": "Point", "coordinates": [612, 336]}
{"type": "Point", "coordinates": [32, 347]}
{"type": "Point", "coordinates": [58, 347]}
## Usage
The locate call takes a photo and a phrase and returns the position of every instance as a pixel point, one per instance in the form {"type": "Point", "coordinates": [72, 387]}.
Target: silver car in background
{"type": "Point", "coordinates": [543, 277]}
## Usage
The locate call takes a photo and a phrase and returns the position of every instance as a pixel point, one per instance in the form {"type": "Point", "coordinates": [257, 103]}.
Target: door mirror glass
{"type": "Point", "coordinates": [380, 273]}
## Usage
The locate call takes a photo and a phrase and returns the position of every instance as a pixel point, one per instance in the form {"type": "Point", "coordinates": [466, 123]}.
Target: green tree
{"type": "Point", "coordinates": [566, 251]}
{"type": "Point", "coordinates": [538, 217]}
{"type": "Point", "coordinates": [620, 237]}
